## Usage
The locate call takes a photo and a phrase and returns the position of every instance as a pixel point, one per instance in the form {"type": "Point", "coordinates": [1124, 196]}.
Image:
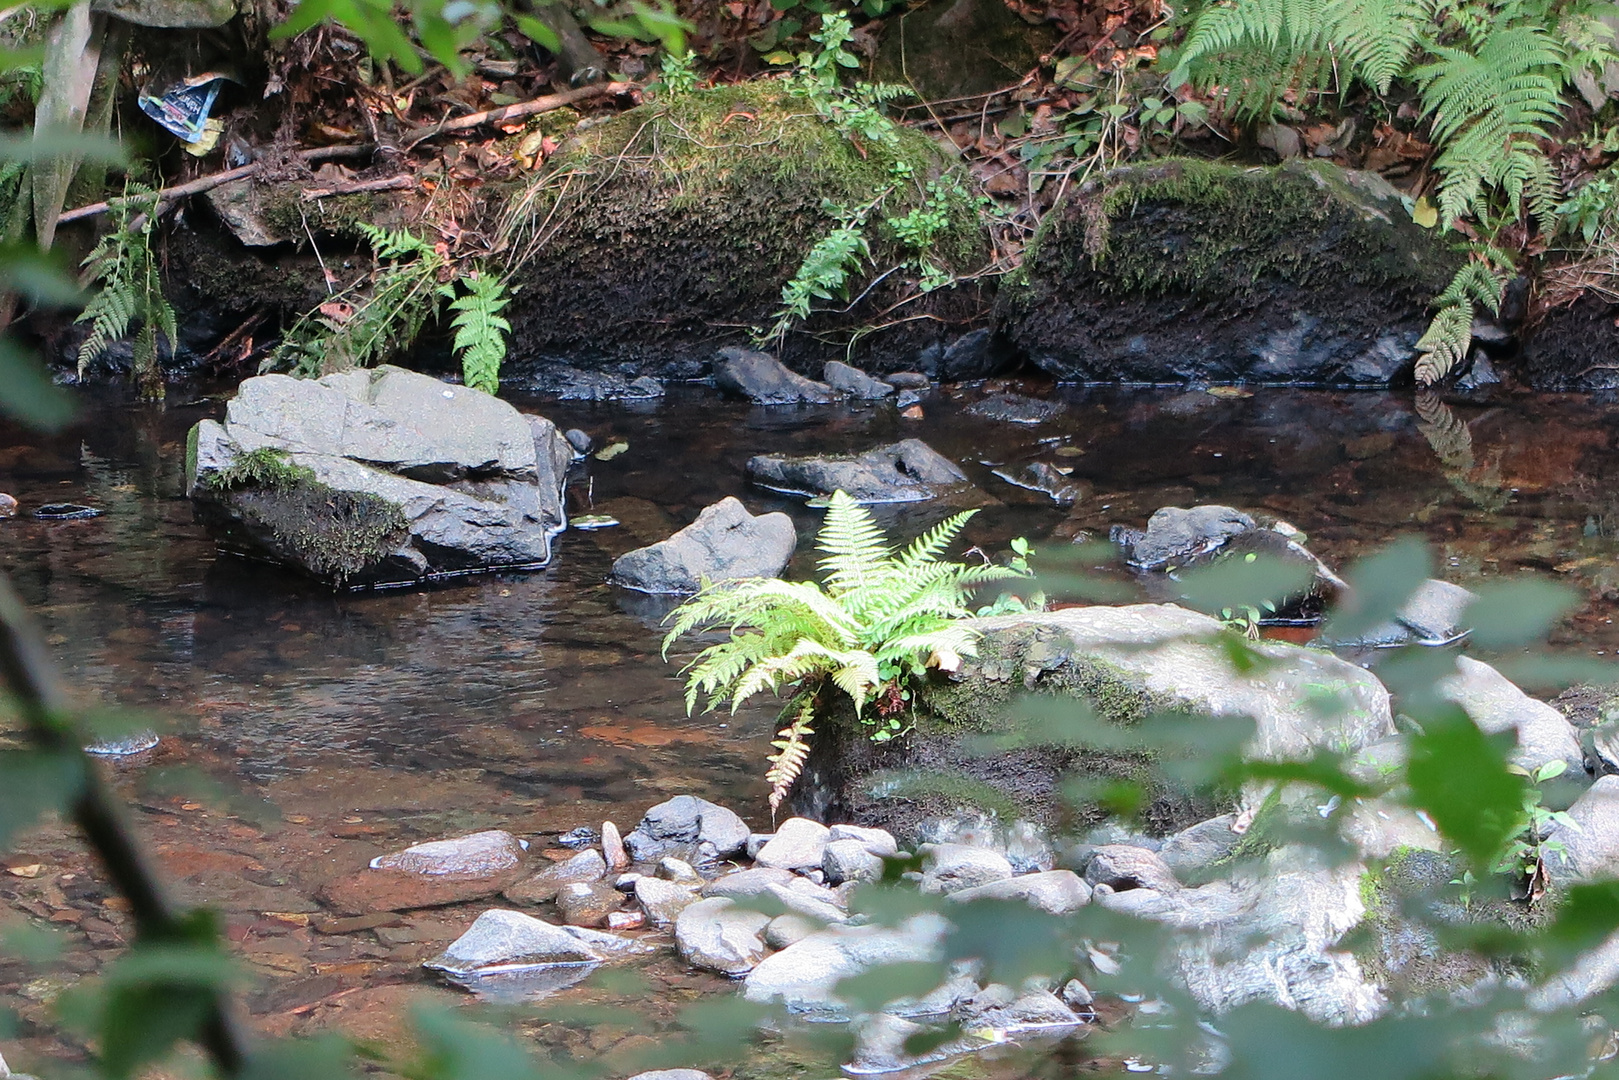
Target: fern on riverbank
{"type": "Point", "coordinates": [130, 292]}
{"type": "Point", "coordinates": [881, 619]}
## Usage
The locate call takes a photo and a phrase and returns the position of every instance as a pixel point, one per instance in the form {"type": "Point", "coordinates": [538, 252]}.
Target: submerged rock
{"type": "Point", "coordinates": [1175, 535]}
{"type": "Point", "coordinates": [1045, 479]}
{"type": "Point", "coordinates": [724, 543]}
{"type": "Point", "coordinates": [502, 940]}
{"type": "Point", "coordinates": [432, 874]}
{"type": "Point", "coordinates": [1179, 270]}
{"type": "Point", "coordinates": [379, 476]}
{"type": "Point", "coordinates": [573, 384]}
{"type": "Point", "coordinates": [907, 471]}
{"type": "Point", "coordinates": [1016, 409]}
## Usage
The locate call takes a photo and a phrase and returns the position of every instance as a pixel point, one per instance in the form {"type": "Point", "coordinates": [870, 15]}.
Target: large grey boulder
{"type": "Point", "coordinates": [1495, 704]}
{"type": "Point", "coordinates": [1270, 934]}
{"type": "Point", "coordinates": [1590, 849]}
{"type": "Point", "coordinates": [799, 844]}
{"type": "Point", "coordinates": [804, 976]}
{"type": "Point", "coordinates": [724, 543]}
{"type": "Point", "coordinates": [1174, 652]}
{"type": "Point", "coordinates": [906, 471]}
{"type": "Point", "coordinates": [379, 476]}
{"type": "Point", "coordinates": [763, 379]}
{"type": "Point", "coordinates": [1056, 892]}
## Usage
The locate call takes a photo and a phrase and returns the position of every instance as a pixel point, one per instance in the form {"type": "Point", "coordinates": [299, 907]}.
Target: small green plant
{"type": "Point", "coordinates": [1589, 215]}
{"type": "Point", "coordinates": [266, 467]}
{"type": "Point", "coordinates": [1525, 855]}
{"type": "Point", "coordinates": [678, 73]}
{"type": "Point", "coordinates": [827, 269]}
{"type": "Point", "coordinates": [1011, 603]}
{"type": "Point", "coordinates": [881, 620]}
{"type": "Point", "coordinates": [1477, 284]}
{"type": "Point", "coordinates": [481, 330]}
{"type": "Point", "coordinates": [131, 291]}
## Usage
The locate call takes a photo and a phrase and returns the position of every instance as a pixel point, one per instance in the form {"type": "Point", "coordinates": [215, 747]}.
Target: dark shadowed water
{"type": "Point", "coordinates": [353, 724]}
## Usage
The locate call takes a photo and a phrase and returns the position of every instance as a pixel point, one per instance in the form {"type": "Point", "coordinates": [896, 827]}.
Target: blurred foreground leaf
{"type": "Point", "coordinates": [1459, 776]}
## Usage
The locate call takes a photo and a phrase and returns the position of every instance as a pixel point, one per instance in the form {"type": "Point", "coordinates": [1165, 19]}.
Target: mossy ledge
{"type": "Point", "coordinates": [970, 750]}
{"type": "Point", "coordinates": [667, 231]}
{"type": "Point", "coordinates": [1185, 270]}
{"type": "Point", "coordinates": [338, 535]}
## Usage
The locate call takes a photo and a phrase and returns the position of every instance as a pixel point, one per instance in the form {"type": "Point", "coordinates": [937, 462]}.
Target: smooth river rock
{"type": "Point", "coordinates": [684, 824]}
{"type": "Point", "coordinates": [724, 543]}
{"type": "Point", "coordinates": [1495, 704]}
{"type": "Point", "coordinates": [765, 380]}
{"type": "Point", "coordinates": [501, 940]}
{"type": "Point", "coordinates": [799, 844]}
{"type": "Point", "coordinates": [1056, 892]}
{"type": "Point", "coordinates": [948, 868]}
{"type": "Point", "coordinates": [586, 867]}
{"type": "Point", "coordinates": [431, 874]}
{"type": "Point", "coordinates": [804, 976]}
{"type": "Point", "coordinates": [718, 935]}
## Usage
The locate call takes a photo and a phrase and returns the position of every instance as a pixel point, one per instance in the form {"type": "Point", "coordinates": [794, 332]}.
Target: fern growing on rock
{"type": "Point", "coordinates": [881, 619]}
{"type": "Point", "coordinates": [130, 292]}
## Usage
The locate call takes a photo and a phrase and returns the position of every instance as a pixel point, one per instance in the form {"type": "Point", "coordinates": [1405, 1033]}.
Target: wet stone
{"type": "Point", "coordinates": [584, 904]}
{"type": "Point", "coordinates": [481, 854]}
{"type": "Point", "coordinates": [799, 844]}
{"type": "Point", "coordinates": [613, 847]}
{"type": "Point", "coordinates": [663, 901]}
{"type": "Point", "coordinates": [906, 471]}
{"type": "Point", "coordinates": [8, 505]}
{"type": "Point", "coordinates": [509, 940]}
{"type": "Point", "coordinates": [585, 867]}
{"type": "Point", "coordinates": [849, 380]}
{"type": "Point", "coordinates": [1016, 409]}
{"type": "Point", "coordinates": [1122, 867]}
{"type": "Point", "coordinates": [724, 543]}
{"type": "Point", "coordinates": [948, 868]}
{"type": "Point", "coordinates": [717, 935]}
{"type": "Point", "coordinates": [672, 1074]}
{"type": "Point", "coordinates": [1045, 479]}
{"type": "Point", "coordinates": [763, 379]}
{"type": "Point", "coordinates": [877, 841]}
{"type": "Point", "coordinates": [678, 870]}
{"type": "Point", "coordinates": [688, 821]}
{"type": "Point", "coordinates": [749, 882]}
{"type": "Point", "coordinates": [432, 874]}
{"type": "Point", "coordinates": [1027, 1012]}
{"type": "Point", "coordinates": [908, 380]}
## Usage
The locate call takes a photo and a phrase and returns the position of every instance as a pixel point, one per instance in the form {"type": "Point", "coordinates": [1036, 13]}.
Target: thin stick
{"type": "Point", "coordinates": [387, 183]}
{"type": "Point", "coordinates": [207, 183]}
{"type": "Point", "coordinates": [28, 672]}
{"type": "Point", "coordinates": [516, 112]}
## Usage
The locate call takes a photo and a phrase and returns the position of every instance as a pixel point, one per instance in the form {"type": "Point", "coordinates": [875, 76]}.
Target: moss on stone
{"type": "Point", "coordinates": [266, 467]}
{"type": "Point", "coordinates": [672, 227]}
{"type": "Point", "coordinates": [288, 213]}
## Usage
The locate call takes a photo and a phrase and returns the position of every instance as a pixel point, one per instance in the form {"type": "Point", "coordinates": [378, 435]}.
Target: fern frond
{"type": "Point", "coordinates": [1445, 343]}
{"type": "Point", "coordinates": [480, 330]}
{"type": "Point", "coordinates": [856, 550]}
{"type": "Point", "coordinates": [792, 751]}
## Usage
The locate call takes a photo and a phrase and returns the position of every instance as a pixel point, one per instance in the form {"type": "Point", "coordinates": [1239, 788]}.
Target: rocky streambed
{"type": "Point", "coordinates": [525, 706]}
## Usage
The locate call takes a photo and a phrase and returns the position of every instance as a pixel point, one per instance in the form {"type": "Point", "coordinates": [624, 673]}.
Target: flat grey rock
{"type": "Point", "coordinates": [1592, 850]}
{"type": "Point", "coordinates": [799, 844]}
{"type": "Point", "coordinates": [663, 901]}
{"type": "Point", "coordinates": [1056, 892]}
{"type": "Point", "coordinates": [803, 976]}
{"type": "Point", "coordinates": [500, 941]}
{"type": "Point", "coordinates": [1122, 867]}
{"type": "Point", "coordinates": [749, 882]}
{"type": "Point", "coordinates": [877, 841]}
{"type": "Point", "coordinates": [586, 867]}
{"type": "Point", "coordinates": [479, 854]}
{"type": "Point", "coordinates": [400, 477]}
{"type": "Point", "coordinates": [906, 471]}
{"type": "Point", "coordinates": [724, 543]}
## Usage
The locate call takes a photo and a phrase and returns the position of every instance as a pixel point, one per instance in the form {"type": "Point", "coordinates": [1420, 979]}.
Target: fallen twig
{"type": "Point", "coordinates": [386, 183]}
{"type": "Point", "coordinates": [516, 112]}
{"type": "Point", "coordinates": [207, 183]}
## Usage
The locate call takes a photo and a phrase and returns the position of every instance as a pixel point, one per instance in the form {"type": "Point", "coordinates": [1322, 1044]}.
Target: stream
{"type": "Point", "coordinates": [306, 732]}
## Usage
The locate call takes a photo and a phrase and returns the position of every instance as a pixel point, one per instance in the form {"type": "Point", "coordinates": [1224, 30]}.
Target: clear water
{"type": "Point", "coordinates": [346, 725]}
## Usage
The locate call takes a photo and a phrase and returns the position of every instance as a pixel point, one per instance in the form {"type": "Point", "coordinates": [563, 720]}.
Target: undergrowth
{"type": "Point", "coordinates": [130, 292]}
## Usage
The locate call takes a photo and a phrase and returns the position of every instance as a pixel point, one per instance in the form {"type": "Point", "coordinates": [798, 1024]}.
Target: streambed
{"type": "Point", "coordinates": [340, 727]}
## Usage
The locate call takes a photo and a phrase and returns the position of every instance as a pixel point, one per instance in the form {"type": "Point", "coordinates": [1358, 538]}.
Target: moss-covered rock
{"type": "Point", "coordinates": [1574, 347]}
{"type": "Point", "coordinates": [1186, 270]}
{"type": "Point", "coordinates": [669, 230]}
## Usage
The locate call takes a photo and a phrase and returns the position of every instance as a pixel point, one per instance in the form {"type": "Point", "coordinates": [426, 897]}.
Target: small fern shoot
{"type": "Point", "coordinates": [480, 330]}
{"type": "Point", "coordinates": [131, 291]}
{"type": "Point", "coordinates": [880, 620]}
{"type": "Point", "coordinates": [1478, 284]}
{"type": "Point", "coordinates": [826, 270]}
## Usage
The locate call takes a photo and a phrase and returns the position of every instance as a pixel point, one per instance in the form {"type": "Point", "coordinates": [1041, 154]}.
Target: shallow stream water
{"type": "Point", "coordinates": [305, 733]}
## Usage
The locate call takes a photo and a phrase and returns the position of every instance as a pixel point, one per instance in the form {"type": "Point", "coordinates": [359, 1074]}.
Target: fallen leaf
{"type": "Point", "coordinates": [608, 453]}
{"type": "Point", "coordinates": [30, 871]}
{"type": "Point", "coordinates": [1425, 213]}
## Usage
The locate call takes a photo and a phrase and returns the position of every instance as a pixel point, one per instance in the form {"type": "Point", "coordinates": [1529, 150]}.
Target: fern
{"type": "Point", "coordinates": [360, 327]}
{"type": "Point", "coordinates": [825, 271]}
{"type": "Point", "coordinates": [480, 330]}
{"type": "Point", "coordinates": [792, 750]}
{"type": "Point", "coordinates": [1477, 284]}
{"type": "Point", "coordinates": [131, 291]}
{"type": "Point", "coordinates": [878, 622]}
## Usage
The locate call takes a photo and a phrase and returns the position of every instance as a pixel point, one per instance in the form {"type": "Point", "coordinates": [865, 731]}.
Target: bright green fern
{"type": "Point", "coordinates": [480, 330]}
{"type": "Point", "coordinates": [880, 620]}
{"type": "Point", "coordinates": [131, 291]}
{"type": "Point", "coordinates": [1478, 284]}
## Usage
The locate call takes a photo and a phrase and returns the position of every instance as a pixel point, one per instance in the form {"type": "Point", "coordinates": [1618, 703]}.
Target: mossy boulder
{"type": "Point", "coordinates": [1184, 270]}
{"type": "Point", "coordinates": [992, 737]}
{"type": "Point", "coordinates": [666, 232]}
{"type": "Point", "coordinates": [1575, 347]}
{"type": "Point", "coordinates": [378, 477]}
